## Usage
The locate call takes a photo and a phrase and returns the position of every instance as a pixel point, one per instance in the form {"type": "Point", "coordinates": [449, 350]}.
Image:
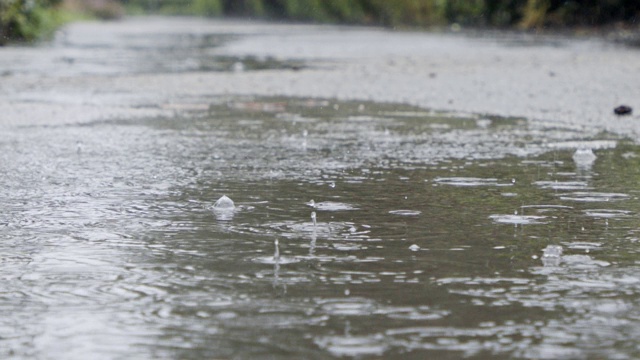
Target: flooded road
{"type": "Point", "coordinates": [359, 229]}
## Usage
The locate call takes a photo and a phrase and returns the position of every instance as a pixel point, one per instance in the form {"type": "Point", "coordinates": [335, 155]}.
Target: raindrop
{"type": "Point", "coordinates": [552, 251]}
{"type": "Point", "coordinates": [552, 255]}
{"type": "Point", "coordinates": [332, 185]}
{"type": "Point", "coordinates": [224, 209]}
{"type": "Point", "coordinates": [237, 67]}
{"type": "Point", "coordinates": [584, 158]}
{"type": "Point", "coordinates": [313, 218]}
{"type": "Point", "coordinates": [276, 253]}
{"type": "Point", "coordinates": [414, 247]}
{"type": "Point", "coordinates": [224, 203]}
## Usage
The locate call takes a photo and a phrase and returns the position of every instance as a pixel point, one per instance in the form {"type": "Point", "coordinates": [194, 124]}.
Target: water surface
{"type": "Point", "coordinates": [428, 242]}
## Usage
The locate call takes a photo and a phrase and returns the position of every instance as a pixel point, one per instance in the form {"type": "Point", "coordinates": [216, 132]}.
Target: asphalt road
{"type": "Point", "coordinates": [144, 67]}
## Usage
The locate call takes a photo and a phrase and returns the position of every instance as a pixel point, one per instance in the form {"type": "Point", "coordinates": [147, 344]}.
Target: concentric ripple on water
{"type": "Point", "coordinates": [431, 236]}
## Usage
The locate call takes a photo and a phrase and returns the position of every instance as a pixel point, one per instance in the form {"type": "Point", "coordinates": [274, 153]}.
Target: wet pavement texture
{"type": "Point", "coordinates": [362, 229]}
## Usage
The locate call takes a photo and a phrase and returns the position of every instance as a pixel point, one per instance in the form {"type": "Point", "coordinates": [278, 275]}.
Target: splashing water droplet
{"type": "Point", "coordinates": [332, 185]}
{"type": "Point", "coordinates": [313, 218]}
{"type": "Point", "coordinates": [552, 251]}
{"type": "Point", "coordinates": [224, 203]}
{"type": "Point", "coordinates": [584, 158]}
{"type": "Point", "coordinates": [276, 253]}
{"type": "Point", "coordinates": [237, 67]}
{"type": "Point", "coordinates": [552, 255]}
{"type": "Point", "coordinates": [414, 247]}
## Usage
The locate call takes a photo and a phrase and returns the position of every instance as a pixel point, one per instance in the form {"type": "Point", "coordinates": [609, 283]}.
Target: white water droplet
{"type": "Point", "coordinates": [276, 253]}
{"type": "Point", "coordinates": [237, 67]}
{"type": "Point", "coordinates": [584, 158]}
{"type": "Point", "coordinates": [414, 247]}
{"type": "Point", "coordinates": [224, 203]}
{"type": "Point", "coordinates": [552, 251]}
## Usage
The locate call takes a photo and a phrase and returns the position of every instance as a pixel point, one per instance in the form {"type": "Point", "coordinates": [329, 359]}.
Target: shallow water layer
{"type": "Point", "coordinates": [430, 239]}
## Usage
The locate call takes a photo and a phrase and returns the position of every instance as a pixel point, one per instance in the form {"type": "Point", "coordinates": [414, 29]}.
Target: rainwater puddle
{"type": "Point", "coordinates": [73, 53]}
{"type": "Point", "coordinates": [399, 233]}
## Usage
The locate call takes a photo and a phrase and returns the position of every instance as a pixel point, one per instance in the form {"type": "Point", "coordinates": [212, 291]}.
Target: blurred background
{"type": "Point", "coordinates": [26, 20]}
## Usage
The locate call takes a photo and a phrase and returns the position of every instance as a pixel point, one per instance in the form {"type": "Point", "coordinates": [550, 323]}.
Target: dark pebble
{"type": "Point", "coordinates": [623, 110]}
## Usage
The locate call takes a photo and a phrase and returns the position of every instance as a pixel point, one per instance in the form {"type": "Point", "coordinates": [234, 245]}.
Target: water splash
{"type": "Point", "coordinates": [552, 255]}
{"type": "Point", "coordinates": [276, 259]}
{"type": "Point", "coordinates": [224, 203]}
{"type": "Point", "coordinates": [224, 209]}
{"type": "Point", "coordinates": [584, 158]}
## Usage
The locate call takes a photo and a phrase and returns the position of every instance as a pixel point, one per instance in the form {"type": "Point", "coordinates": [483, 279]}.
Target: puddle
{"type": "Point", "coordinates": [430, 235]}
{"type": "Point", "coordinates": [72, 54]}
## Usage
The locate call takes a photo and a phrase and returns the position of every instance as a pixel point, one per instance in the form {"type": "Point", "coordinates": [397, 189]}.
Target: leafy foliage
{"type": "Point", "coordinates": [26, 19]}
{"type": "Point", "coordinates": [526, 13]}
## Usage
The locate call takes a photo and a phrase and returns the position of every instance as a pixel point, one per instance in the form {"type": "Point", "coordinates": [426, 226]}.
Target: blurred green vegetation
{"type": "Point", "coordinates": [21, 19]}
{"type": "Point", "coordinates": [29, 19]}
{"type": "Point", "coordinates": [411, 13]}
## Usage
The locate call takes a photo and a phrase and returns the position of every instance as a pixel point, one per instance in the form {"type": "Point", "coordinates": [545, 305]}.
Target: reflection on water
{"type": "Point", "coordinates": [429, 236]}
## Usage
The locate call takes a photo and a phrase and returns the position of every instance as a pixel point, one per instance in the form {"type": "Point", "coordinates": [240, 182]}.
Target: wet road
{"type": "Point", "coordinates": [436, 233]}
{"type": "Point", "coordinates": [93, 70]}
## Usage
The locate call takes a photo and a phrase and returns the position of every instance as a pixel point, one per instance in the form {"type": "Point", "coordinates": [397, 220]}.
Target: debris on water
{"type": "Point", "coordinates": [224, 203]}
{"type": "Point", "coordinates": [623, 110]}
